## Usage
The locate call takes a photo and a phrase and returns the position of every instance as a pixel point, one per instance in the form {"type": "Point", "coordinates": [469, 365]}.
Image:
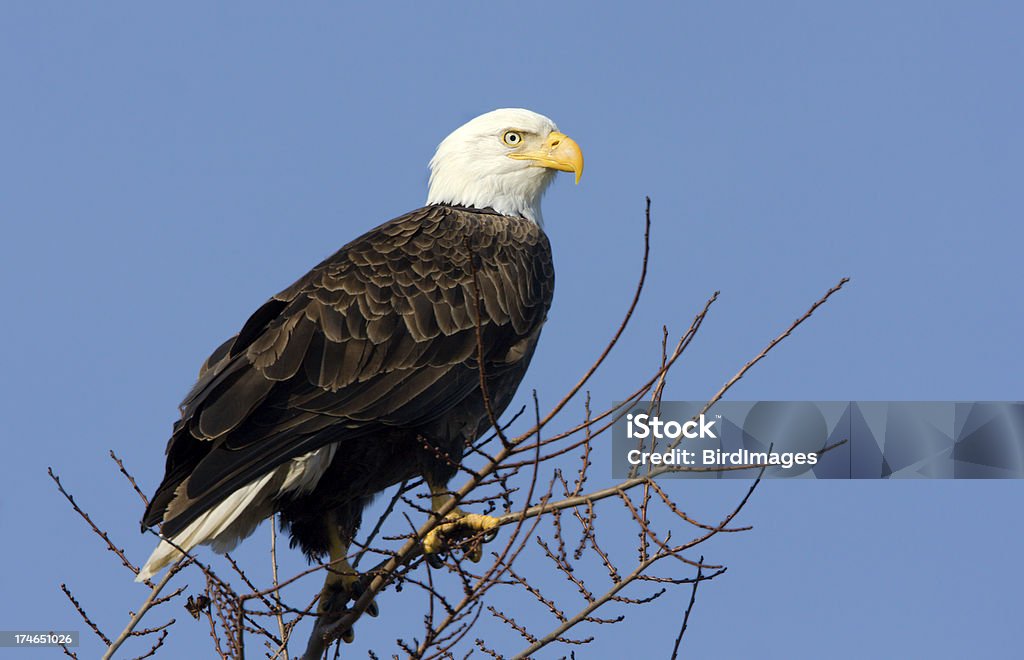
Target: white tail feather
{"type": "Point", "coordinates": [238, 515]}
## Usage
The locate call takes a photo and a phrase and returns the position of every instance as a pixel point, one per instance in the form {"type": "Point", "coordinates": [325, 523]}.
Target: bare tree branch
{"type": "Point", "coordinates": [689, 608]}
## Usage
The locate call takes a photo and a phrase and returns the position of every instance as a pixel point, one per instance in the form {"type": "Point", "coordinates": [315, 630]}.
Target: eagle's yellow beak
{"type": "Point", "coordinates": [558, 151]}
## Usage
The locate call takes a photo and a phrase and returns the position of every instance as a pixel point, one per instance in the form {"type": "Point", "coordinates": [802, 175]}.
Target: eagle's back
{"type": "Point", "coordinates": [380, 338]}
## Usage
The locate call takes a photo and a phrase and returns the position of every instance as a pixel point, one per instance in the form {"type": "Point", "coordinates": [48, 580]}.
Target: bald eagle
{"type": "Point", "coordinates": [364, 372]}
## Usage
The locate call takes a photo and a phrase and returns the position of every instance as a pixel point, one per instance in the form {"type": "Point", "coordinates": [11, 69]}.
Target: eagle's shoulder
{"type": "Point", "coordinates": [427, 248]}
{"type": "Point", "coordinates": [403, 296]}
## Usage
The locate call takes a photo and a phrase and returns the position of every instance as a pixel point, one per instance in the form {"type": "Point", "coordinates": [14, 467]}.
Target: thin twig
{"type": "Point", "coordinates": [689, 608]}
{"type": "Point", "coordinates": [146, 605]}
{"type": "Point", "coordinates": [85, 617]}
{"type": "Point", "coordinates": [277, 592]}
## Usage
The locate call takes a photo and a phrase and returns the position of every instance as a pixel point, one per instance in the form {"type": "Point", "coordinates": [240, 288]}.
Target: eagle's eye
{"type": "Point", "coordinates": [512, 138]}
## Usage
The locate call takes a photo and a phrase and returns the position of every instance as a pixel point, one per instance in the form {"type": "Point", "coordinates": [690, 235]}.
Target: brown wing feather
{"type": "Point", "coordinates": [382, 333]}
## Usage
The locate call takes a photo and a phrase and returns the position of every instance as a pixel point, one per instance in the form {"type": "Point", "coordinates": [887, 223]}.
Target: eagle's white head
{"type": "Point", "coordinates": [504, 159]}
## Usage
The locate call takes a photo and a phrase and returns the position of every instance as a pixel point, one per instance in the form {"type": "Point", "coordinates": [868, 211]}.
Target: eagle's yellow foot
{"type": "Point", "coordinates": [475, 528]}
{"type": "Point", "coordinates": [340, 587]}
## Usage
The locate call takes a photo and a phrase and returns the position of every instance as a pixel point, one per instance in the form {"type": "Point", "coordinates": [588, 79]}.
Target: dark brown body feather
{"type": "Point", "coordinates": [374, 349]}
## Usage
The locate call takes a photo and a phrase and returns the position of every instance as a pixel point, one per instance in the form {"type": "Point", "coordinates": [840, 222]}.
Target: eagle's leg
{"type": "Point", "coordinates": [342, 583]}
{"type": "Point", "coordinates": [457, 525]}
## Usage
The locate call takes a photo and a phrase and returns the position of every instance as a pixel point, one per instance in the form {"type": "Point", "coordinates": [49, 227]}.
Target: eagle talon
{"type": "Point", "coordinates": [332, 600]}
{"type": "Point", "coordinates": [344, 588]}
{"type": "Point", "coordinates": [356, 591]}
{"type": "Point", "coordinates": [456, 526]}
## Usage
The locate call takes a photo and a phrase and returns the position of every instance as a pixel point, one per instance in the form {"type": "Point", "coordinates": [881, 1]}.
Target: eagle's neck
{"type": "Point", "coordinates": [515, 193]}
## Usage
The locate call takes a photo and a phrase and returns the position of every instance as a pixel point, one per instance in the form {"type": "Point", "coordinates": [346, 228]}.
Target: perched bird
{"type": "Point", "coordinates": [364, 372]}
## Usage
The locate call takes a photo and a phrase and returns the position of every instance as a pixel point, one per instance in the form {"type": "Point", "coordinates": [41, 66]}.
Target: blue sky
{"type": "Point", "coordinates": [165, 171]}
